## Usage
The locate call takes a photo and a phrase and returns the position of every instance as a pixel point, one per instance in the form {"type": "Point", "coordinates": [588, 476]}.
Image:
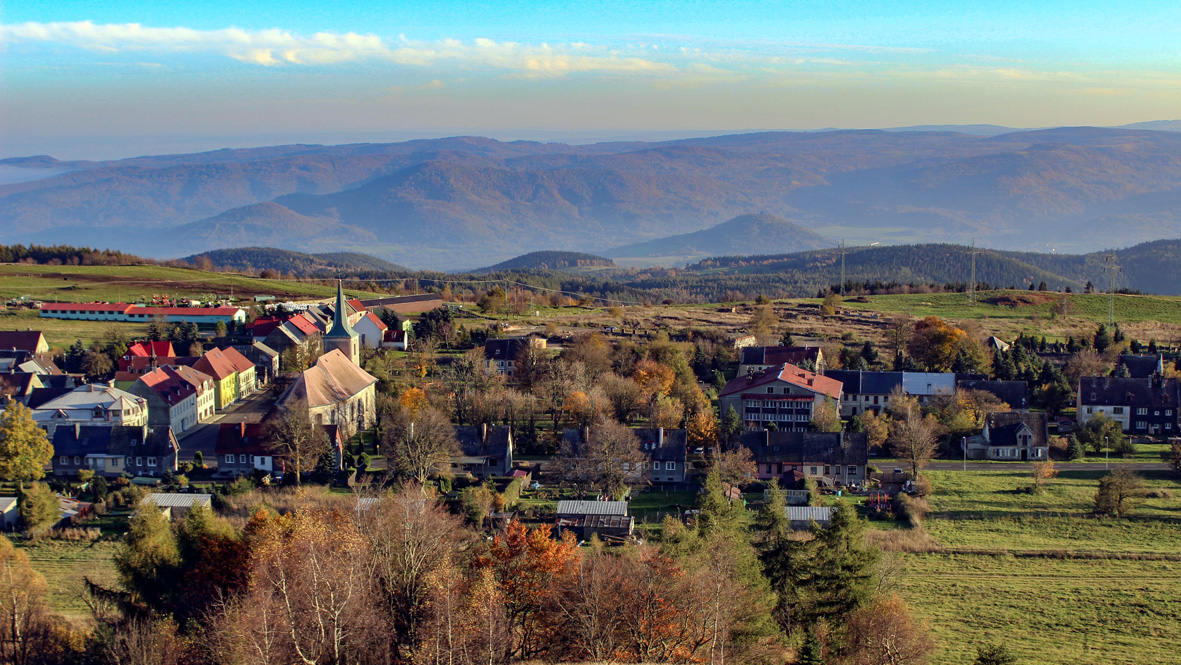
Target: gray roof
{"type": "Point", "coordinates": [477, 441]}
{"type": "Point", "coordinates": [777, 355]}
{"type": "Point", "coordinates": [1113, 391]}
{"type": "Point", "coordinates": [505, 349]}
{"type": "Point", "coordinates": [122, 440]}
{"type": "Point", "coordinates": [177, 500]}
{"type": "Point", "coordinates": [841, 448]}
{"type": "Point", "coordinates": [1002, 428]}
{"type": "Point", "coordinates": [7, 503]}
{"type": "Point", "coordinates": [1142, 367]}
{"type": "Point", "coordinates": [866, 383]}
{"type": "Point", "coordinates": [673, 448]}
{"type": "Point", "coordinates": [1013, 393]}
{"type": "Point", "coordinates": [592, 508]}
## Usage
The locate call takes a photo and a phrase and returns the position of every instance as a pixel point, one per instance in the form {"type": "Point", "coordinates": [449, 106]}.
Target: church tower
{"type": "Point", "coordinates": [341, 335]}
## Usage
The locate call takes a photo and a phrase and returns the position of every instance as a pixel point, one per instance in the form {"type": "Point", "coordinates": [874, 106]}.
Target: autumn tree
{"type": "Point", "coordinates": [654, 378]}
{"type": "Point", "coordinates": [23, 614]}
{"type": "Point", "coordinates": [1172, 455]}
{"type": "Point", "coordinates": [885, 633]}
{"type": "Point", "coordinates": [24, 448]}
{"type": "Point", "coordinates": [877, 428]}
{"type": "Point", "coordinates": [667, 412]}
{"type": "Point", "coordinates": [1085, 363]}
{"type": "Point", "coordinates": [624, 395]}
{"type": "Point", "coordinates": [293, 438]}
{"type": "Point", "coordinates": [148, 557]}
{"type": "Point", "coordinates": [702, 430]}
{"type": "Point", "coordinates": [1043, 472]}
{"type": "Point", "coordinates": [421, 443]}
{"type": "Point", "coordinates": [762, 321]}
{"type": "Point", "coordinates": [826, 417]}
{"type": "Point", "coordinates": [1119, 492]}
{"type": "Point", "coordinates": [935, 344]}
{"type": "Point", "coordinates": [913, 436]}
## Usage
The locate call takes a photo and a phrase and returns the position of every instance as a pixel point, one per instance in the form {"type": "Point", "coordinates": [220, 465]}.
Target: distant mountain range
{"type": "Point", "coordinates": [548, 260]}
{"type": "Point", "coordinates": [464, 202]}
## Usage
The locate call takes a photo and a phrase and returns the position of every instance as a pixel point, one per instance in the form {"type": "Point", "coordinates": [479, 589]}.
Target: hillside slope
{"type": "Point", "coordinates": [257, 259]}
{"type": "Point", "coordinates": [550, 260]}
{"type": "Point", "coordinates": [745, 234]}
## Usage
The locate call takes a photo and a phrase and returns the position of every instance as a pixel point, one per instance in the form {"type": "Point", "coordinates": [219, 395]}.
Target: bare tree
{"type": "Point", "coordinates": [421, 443]}
{"type": "Point", "coordinates": [913, 436]}
{"type": "Point", "coordinates": [608, 460]}
{"type": "Point", "coordinates": [294, 438]}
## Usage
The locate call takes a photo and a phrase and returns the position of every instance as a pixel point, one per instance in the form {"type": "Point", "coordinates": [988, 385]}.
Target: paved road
{"type": "Point", "coordinates": [204, 436]}
{"type": "Point", "coordinates": [1061, 466]}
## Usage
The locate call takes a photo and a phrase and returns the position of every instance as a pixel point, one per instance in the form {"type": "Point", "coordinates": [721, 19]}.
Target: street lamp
{"type": "Point", "coordinates": [964, 444]}
{"type": "Point", "coordinates": [1106, 452]}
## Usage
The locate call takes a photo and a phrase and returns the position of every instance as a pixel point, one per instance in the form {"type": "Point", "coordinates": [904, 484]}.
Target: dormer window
{"type": "Point", "coordinates": [98, 412]}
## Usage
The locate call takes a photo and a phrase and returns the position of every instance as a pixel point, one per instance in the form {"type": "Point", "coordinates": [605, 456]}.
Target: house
{"type": "Point", "coordinates": [19, 360]}
{"type": "Point", "coordinates": [299, 331]}
{"type": "Point", "coordinates": [176, 505]}
{"type": "Point", "coordinates": [1013, 393]}
{"type": "Point", "coordinates": [114, 451]}
{"type": "Point", "coordinates": [224, 372]}
{"type": "Point", "coordinates": [1012, 435]}
{"type": "Point", "coordinates": [18, 386]}
{"type": "Point", "coordinates": [405, 304]}
{"type": "Point", "coordinates": [241, 450]}
{"type": "Point", "coordinates": [172, 400]}
{"type": "Point", "coordinates": [28, 340]}
{"type": "Point", "coordinates": [335, 391]}
{"type": "Point", "coordinates": [10, 516]}
{"type": "Point", "coordinates": [371, 329]}
{"type": "Point", "coordinates": [1141, 367]}
{"type": "Point", "coordinates": [1140, 406]}
{"type": "Point", "coordinates": [203, 384]}
{"type": "Point", "coordinates": [831, 458]}
{"type": "Point", "coordinates": [486, 451]}
{"type": "Point", "coordinates": [265, 359]}
{"type": "Point", "coordinates": [244, 367]}
{"type": "Point", "coordinates": [759, 358]}
{"type": "Point", "coordinates": [784, 395]}
{"type": "Point", "coordinates": [396, 339]}
{"type": "Point", "coordinates": [667, 451]}
{"type": "Point", "coordinates": [150, 349]}
{"type": "Point", "coordinates": [503, 353]}
{"type": "Point", "coordinates": [92, 404]}
{"type": "Point", "coordinates": [996, 344]}
{"type": "Point", "coordinates": [870, 391]}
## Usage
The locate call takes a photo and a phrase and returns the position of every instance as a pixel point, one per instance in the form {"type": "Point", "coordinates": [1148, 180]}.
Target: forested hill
{"type": "Point", "coordinates": [551, 260]}
{"type": "Point", "coordinates": [1153, 267]}
{"type": "Point", "coordinates": [258, 259]}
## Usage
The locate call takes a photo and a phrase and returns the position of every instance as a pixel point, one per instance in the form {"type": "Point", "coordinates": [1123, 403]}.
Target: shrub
{"type": "Point", "coordinates": [911, 509]}
{"type": "Point", "coordinates": [994, 654]}
{"type": "Point", "coordinates": [240, 485]}
{"type": "Point", "coordinates": [921, 487]}
{"type": "Point", "coordinates": [1119, 492]}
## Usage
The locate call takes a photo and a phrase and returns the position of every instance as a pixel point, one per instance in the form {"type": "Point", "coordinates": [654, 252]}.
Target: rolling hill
{"type": "Point", "coordinates": [745, 234]}
{"type": "Point", "coordinates": [550, 260]}
{"type": "Point", "coordinates": [258, 259]}
{"type": "Point", "coordinates": [468, 201]}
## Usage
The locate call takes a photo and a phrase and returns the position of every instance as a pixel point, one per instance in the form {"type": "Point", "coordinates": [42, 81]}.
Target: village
{"type": "Point", "coordinates": [604, 436]}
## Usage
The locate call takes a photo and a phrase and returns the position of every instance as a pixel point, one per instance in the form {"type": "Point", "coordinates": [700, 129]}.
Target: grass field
{"type": "Point", "coordinates": [1048, 611]}
{"type": "Point", "coordinates": [1092, 307]}
{"type": "Point", "coordinates": [64, 564]}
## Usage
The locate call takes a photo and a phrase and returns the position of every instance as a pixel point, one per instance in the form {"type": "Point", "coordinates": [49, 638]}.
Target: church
{"type": "Point", "coordinates": [336, 390]}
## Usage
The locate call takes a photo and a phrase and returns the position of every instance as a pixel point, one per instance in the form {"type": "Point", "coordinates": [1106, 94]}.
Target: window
{"type": "Point", "coordinates": [241, 459]}
{"type": "Point", "coordinates": [151, 461]}
{"type": "Point", "coordinates": [770, 389]}
{"type": "Point", "coordinates": [813, 470]}
{"type": "Point", "coordinates": [139, 461]}
{"type": "Point", "coordinates": [670, 466]}
{"type": "Point", "coordinates": [1140, 424]}
{"type": "Point", "coordinates": [1117, 409]}
{"type": "Point", "coordinates": [851, 471]}
{"type": "Point", "coordinates": [1168, 412]}
{"type": "Point", "coordinates": [1142, 411]}
{"type": "Point", "coordinates": [1090, 410]}
{"type": "Point", "coordinates": [77, 460]}
{"type": "Point", "coordinates": [229, 459]}
{"type": "Point", "coordinates": [1168, 425]}
{"type": "Point", "coordinates": [63, 460]}
{"type": "Point", "coordinates": [826, 469]}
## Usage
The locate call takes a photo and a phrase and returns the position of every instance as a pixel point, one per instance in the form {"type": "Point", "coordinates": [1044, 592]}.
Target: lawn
{"type": "Point", "coordinates": [64, 564]}
{"type": "Point", "coordinates": [1092, 307]}
{"type": "Point", "coordinates": [61, 333]}
{"type": "Point", "coordinates": [1048, 611]}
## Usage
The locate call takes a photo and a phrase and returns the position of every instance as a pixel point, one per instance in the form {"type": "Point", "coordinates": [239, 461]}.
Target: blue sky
{"type": "Point", "coordinates": [104, 79]}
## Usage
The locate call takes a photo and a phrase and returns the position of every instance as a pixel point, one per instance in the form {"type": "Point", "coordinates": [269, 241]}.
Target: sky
{"type": "Point", "coordinates": [96, 80]}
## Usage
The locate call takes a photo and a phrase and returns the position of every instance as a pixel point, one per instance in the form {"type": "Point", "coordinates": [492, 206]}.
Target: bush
{"type": "Point", "coordinates": [240, 485]}
{"type": "Point", "coordinates": [39, 508]}
{"type": "Point", "coordinates": [911, 509]}
{"type": "Point", "coordinates": [921, 487]}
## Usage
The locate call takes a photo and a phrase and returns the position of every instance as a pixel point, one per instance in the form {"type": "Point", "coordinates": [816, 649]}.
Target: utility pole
{"type": "Point", "coordinates": [1111, 268]}
{"type": "Point", "coordinates": [842, 268]}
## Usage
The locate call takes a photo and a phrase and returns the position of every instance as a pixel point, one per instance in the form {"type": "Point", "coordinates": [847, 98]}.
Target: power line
{"type": "Point", "coordinates": [972, 284]}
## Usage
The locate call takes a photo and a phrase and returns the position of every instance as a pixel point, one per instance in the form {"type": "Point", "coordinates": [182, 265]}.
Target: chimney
{"type": "Point", "coordinates": [483, 432]}
{"type": "Point", "coordinates": [77, 431]}
{"type": "Point", "coordinates": [660, 438]}
{"type": "Point", "coordinates": [586, 434]}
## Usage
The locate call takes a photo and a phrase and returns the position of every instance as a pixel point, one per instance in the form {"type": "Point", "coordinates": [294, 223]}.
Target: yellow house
{"type": "Point", "coordinates": [218, 365]}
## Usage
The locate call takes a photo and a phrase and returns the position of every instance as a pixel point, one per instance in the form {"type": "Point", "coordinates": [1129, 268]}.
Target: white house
{"type": "Point", "coordinates": [92, 404]}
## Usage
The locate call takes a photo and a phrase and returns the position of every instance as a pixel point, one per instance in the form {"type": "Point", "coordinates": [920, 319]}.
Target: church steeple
{"type": "Point", "coordinates": [341, 335]}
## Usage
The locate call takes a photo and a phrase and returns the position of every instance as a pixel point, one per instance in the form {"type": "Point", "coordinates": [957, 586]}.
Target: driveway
{"type": "Point", "coordinates": [204, 436]}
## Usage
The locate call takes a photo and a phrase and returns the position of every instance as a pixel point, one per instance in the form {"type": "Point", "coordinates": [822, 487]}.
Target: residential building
{"type": "Point", "coordinates": [486, 451]}
{"type": "Point", "coordinates": [150, 349]}
{"type": "Point", "coordinates": [226, 385]}
{"type": "Point", "coordinates": [1140, 406]}
{"type": "Point", "coordinates": [172, 400]}
{"type": "Point", "coordinates": [831, 458]}
{"type": "Point", "coordinates": [19, 360]}
{"type": "Point", "coordinates": [203, 384]}
{"type": "Point", "coordinates": [92, 404]}
{"type": "Point", "coordinates": [1013, 393]}
{"type": "Point", "coordinates": [114, 450]}
{"type": "Point", "coordinates": [759, 358]}
{"type": "Point", "coordinates": [341, 335]}
{"type": "Point", "coordinates": [175, 505]}
{"type": "Point", "coordinates": [503, 353]}
{"type": "Point", "coordinates": [396, 339]}
{"type": "Point", "coordinates": [667, 451]}
{"type": "Point", "coordinates": [28, 340]}
{"type": "Point", "coordinates": [241, 450]}
{"type": "Point", "coordinates": [18, 386]}
{"type": "Point", "coordinates": [10, 515]}
{"type": "Point", "coordinates": [265, 359]}
{"type": "Point", "coordinates": [785, 395]}
{"type": "Point", "coordinates": [244, 367]}
{"type": "Point", "coordinates": [335, 391]}
{"type": "Point", "coordinates": [870, 391]}
{"type": "Point", "coordinates": [1012, 435]}
{"type": "Point", "coordinates": [371, 330]}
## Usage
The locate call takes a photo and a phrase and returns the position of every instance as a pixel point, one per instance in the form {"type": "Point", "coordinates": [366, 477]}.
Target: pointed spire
{"type": "Point", "coordinates": [340, 320]}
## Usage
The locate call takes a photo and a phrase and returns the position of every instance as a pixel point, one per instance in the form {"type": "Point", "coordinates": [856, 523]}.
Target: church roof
{"type": "Point", "coordinates": [340, 319]}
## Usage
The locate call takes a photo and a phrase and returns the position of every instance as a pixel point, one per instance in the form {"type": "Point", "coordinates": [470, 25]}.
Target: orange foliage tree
{"type": "Point", "coordinates": [935, 343]}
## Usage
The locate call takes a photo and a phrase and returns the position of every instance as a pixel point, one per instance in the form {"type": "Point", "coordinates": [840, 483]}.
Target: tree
{"type": "Point", "coordinates": [935, 344]}
{"type": "Point", "coordinates": [1119, 492]}
{"type": "Point", "coordinates": [913, 436]}
{"type": "Point", "coordinates": [294, 438]}
{"type": "Point", "coordinates": [1102, 338]}
{"type": "Point", "coordinates": [732, 425]}
{"type": "Point", "coordinates": [1085, 363]}
{"type": "Point", "coordinates": [609, 460]}
{"type": "Point", "coordinates": [762, 321]}
{"type": "Point", "coordinates": [148, 556]}
{"type": "Point", "coordinates": [96, 365]}
{"type": "Point", "coordinates": [24, 620]}
{"type": "Point", "coordinates": [24, 447]}
{"type": "Point", "coordinates": [703, 431]}
{"type": "Point", "coordinates": [39, 508]}
{"type": "Point", "coordinates": [877, 428]}
{"type": "Point", "coordinates": [1043, 472]}
{"type": "Point", "coordinates": [994, 654]}
{"type": "Point", "coordinates": [826, 417]}
{"type": "Point", "coordinates": [492, 301]}
{"type": "Point", "coordinates": [884, 633]}
{"type": "Point", "coordinates": [830, 304]}
{"type": "Point", "coordinates": [1172, 456]}
{"type": "Point", "coordinates": [787, 339]}
{"type": "Point", "coordinates": [421, 443]}
{"type": "Point", "coordinates": [1102, 432]}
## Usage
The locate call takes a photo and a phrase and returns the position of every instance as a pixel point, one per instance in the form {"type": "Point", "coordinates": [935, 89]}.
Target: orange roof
{"type": "Point", "coordinates": [239, 361]}
{"type": "Point", "coordinates": [788, 373]}
{"type": "Point", "coordinates": [216, 364]}
{"type": "Point", "coordinates": [356, 305]}
{"type": "Point", "coordinates": [376, 320]}
{"type": "Point", "coordinates": [304, 323]}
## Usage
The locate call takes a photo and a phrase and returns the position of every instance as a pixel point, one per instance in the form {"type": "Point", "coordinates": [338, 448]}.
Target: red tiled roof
{"type": "Point", "coordinates": [185, 311]}
{"type": "Point", "coordinates": [216, 364]}
{"type": "Point", "coordinates": [788, 373]}
{"type": "Point", "coordinates": [86, 306]}
{"type": "Point", "coordinates": [376, 320]}
{"type": "Point", "coordinates": [304, 324]}
{"type": "Point", "coordinates": [160, 349]}
{"type": "Point", "coordinates": [239, 361]}
{"type": "Point", "coordinates": [168, 384]}
{"type": "Point", "coordinates": [393, 335]}
{"type": "Point", "coordinates": [356, 305]}
{"type": "Point", "coordinates": [241, 438]}
{"type": "Point", "coordinates": [194, 377]}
